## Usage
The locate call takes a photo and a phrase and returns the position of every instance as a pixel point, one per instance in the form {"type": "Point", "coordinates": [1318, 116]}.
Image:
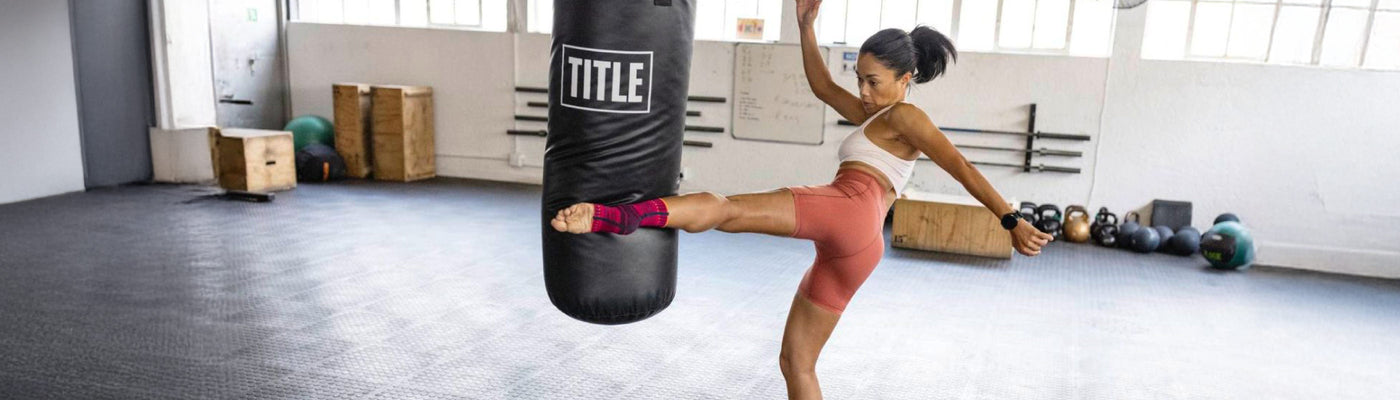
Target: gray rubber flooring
{"type": "Point", "coordinates": [434, 291]}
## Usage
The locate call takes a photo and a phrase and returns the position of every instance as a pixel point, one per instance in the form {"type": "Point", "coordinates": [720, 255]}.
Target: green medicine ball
{"type": "Point", "coordinates": [1228, 245]}
{"type": "Point", "coordinates": [308, 129]}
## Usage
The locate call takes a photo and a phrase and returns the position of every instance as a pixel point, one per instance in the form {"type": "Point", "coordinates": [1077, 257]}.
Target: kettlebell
{"type": "Point", "coordinates": [1048, 220]}
{"type": "Point", "coordinates": [1028, 212]}
{"type": "Point", "coordinates": [1127, 229]}
{"type": "Point", "coordinates": [1104, 218]}
{"type": "Point", "coordinates": [1108, 235]}
{"type": "Point", "coordinates": [1077, 224]}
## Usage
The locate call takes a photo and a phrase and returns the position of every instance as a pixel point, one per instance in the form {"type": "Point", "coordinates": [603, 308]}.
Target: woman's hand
{"type": "Point", "coordinates": [807, 12]}
{"type": "Point", "coordinates": [1028, 240]}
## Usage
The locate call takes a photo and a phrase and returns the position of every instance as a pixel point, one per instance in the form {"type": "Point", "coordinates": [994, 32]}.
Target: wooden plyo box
{"type": "Point", "coordinates": [947, 223]}
{"type": "Point", "coordinates": [254, 160]}
{"type": "Point", "coordinates": [404, 149]}
{"type": "Point", "coordinates": [352, 127]}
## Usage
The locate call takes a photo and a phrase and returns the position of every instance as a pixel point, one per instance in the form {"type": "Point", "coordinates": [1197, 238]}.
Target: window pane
{"type": "Point", "coordinates": [330, 11]}
{"type": "Point", "coordinates": [468, 12]}
{"type": "Point", "coordinates": [1350, 4]}
{"type": "Point", "coordinates": [413, 12]}
{"type": "Point", "coordinates": [1383, 51]}
{"type": "Point", "coordinates": [1249, 33]}
{"type": "Point", "coordinates": [1341, 40]}
{"type": "Point", "coordinates": [899, 14]}
{"type": "Point", "coordinates": [1051, 20]}
{"type": "Point", "coordinates": [542, 16]}
{"type": "Point", "coordinates": [937, 14]}
{"type": "Point", "coordinates": [1209, 35]}
{"type": "Point", "coordinates": [772, 13]}
{"type": "Point", "coordinates": [1165, 34]}
{"type": "Point", "coordinates": [381, 12]}
{"type": "Point", "coordinates": [709, 20]}
{"type": "Point", "coordinates": [493, 15]}
{"type": "Point", "coordinates": [356, 11]}
{"type": "Point", "coordinates": [1393, 5]}
{"type": "Point", "coordinates": [1294, 35]}
{"type": "Point", "coordinates": [1093, 26]}
{"type": "Point", "coordinates": [831, 22]}
{"type": "Point", "coordinates": [1017, 17]}
{"type": "Point", "coordinates": [862, 20]}
{"type": "Point", "coordinates": [442, 11]}
{"type": "Point", "coordinates": [977, 25]}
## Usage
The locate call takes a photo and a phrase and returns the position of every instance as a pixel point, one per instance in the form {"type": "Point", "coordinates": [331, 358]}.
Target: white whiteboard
{"type": "Point", "coordinates": [772, 101]}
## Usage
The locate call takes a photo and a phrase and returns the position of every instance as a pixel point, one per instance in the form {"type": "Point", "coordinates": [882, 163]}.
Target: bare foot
{"type": "Point", "coordinates": [577, 218]}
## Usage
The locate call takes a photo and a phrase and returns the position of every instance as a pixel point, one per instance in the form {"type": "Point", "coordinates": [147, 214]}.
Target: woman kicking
{"type": "Point", "coordinates": [845, 219]}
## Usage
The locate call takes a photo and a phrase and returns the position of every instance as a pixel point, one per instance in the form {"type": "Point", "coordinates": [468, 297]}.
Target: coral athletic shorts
{"type": "Point", "coordinates": [845, 219]}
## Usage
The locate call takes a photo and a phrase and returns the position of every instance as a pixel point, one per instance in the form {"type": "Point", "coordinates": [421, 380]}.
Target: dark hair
{"type": "Point", "coordinates": [924, 51]}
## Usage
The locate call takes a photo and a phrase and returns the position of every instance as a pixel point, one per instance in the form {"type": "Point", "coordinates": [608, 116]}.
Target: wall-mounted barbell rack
{"type": "Point", "coordinates": [1030, 151]}
{"type": "Point", "coordinates": [545, 133]}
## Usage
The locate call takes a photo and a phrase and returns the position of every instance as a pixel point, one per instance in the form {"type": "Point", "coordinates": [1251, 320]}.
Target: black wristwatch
{"type": "Point", "coordinates": [1010, 220]}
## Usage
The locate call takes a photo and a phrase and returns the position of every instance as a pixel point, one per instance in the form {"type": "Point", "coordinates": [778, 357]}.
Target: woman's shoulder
{"type": "Point", "coordinates": [904, 117]}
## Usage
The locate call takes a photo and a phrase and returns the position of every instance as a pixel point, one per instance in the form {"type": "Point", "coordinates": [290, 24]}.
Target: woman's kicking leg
{"type": "Point", "coordinates": [769, 212]}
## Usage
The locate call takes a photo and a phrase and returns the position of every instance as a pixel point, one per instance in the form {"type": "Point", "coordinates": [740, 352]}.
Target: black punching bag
{"type": "Point", "coordinates": [618, 76]}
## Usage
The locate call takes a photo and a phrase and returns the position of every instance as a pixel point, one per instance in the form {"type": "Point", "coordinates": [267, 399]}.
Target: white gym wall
{"type": "Point", "coordinates": [1302, 153]}
{"type": "Point", "coordinates": [40, 150]}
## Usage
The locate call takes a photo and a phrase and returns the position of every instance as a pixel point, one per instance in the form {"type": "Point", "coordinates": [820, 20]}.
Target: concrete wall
{"type": "Point", "coordinates": [1300, 153]}
{"type": "Point", "coordinates": [112, 51]}
{"type": "Point", "coordinates": [471, 74]}
{"type": "Point", "coordinates": [40, 152]}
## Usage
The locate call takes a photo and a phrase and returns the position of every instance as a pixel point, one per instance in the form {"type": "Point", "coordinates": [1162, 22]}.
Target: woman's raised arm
{"type": "Point", "coordinates": [845, 103]}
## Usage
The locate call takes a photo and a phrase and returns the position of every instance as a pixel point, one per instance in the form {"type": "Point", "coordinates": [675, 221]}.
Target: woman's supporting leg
{"type": "Point", "coordinates": [769, 212]}
{"type": "Point", "coordinates": [808, 328]}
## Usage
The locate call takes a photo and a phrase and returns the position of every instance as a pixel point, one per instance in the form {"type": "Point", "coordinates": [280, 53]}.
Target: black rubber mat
{"type": "Point", "coordinates": [433, 290]}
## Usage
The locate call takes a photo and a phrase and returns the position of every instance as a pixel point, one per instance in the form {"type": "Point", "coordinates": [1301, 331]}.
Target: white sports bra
{"type": "Point", "coordinates": [858, 147]}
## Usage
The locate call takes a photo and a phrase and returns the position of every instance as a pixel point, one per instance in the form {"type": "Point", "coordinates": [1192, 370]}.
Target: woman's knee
{"type": "Point", "coordinates": [718, 209]}
{"type": "Point", "coordinates": [793, 364]}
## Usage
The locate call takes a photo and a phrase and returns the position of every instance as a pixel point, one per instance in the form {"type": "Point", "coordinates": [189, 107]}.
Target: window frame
{"type": "Point", "coordinates": [295, 16]}
{"type": "Point", "coordinates": [1319, 34]}
{"type": "Point", "coordinates": [955, 26]}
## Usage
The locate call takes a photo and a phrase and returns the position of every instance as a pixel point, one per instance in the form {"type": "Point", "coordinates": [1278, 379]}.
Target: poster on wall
{"type": "Point", "coordinates": [749, 29]}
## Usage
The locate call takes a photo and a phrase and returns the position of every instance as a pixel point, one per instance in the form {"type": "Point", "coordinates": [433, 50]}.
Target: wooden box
{"type": "Point", "coordinates": [183, 155]}
{"type": "Point", "coordinates": [254, 160]}
{"type": "Point", "coordinates": [403, 133]}
{"type": "Point", "coordinates": [352, 127]}
{"type": "Point", "coordinates": [947, 223]}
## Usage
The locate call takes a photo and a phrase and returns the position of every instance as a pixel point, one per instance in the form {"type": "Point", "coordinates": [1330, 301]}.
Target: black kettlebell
{"type": "Point", "coordinates": [1108, 235]}
{"type": "Point", "coordinates": [1028, 212]}
{"type": "Point", "coordinates": [1144, 240]}
{"type": "Point", "coordinates": [1048, 220]}
{"type": "Point", "coordinates": [1127, 228]}
{"type": "Point", "coordinates": [1163, 232]}
{"type": "Point", "coordinates": [1102, 219]}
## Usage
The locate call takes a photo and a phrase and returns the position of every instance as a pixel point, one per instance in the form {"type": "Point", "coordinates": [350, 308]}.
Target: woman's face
{"type": "Point", "coordinates": [879, 87]}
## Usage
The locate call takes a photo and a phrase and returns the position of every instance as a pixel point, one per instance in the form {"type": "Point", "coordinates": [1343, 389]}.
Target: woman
{"type": "Point", "coordinates": [845, 218]}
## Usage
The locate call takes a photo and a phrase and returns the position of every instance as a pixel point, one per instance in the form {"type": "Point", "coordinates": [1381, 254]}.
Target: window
{"type": "Point", "coordinates": [473, 14]}
{"type": "Point", "coordinates": [719, 19]}
{"type": "Point", "coordinates": [714, 19]}
{"type": "Point", "coordinates": [1335, 33]}
{"type": "Point", "coordinates": [1075, 27]}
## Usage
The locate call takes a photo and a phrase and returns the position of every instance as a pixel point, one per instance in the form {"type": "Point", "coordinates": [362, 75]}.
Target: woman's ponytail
{"type": "Point", "coordinates": [932, 53]}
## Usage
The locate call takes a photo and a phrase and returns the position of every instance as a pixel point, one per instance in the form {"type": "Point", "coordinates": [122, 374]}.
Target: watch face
{"type": "Point", "coordinates": [1009, 221]}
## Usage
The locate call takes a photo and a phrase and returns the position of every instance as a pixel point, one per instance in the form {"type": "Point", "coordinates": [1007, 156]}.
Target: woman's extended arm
{"type": "Point", "coordinates": [845, 103]}
{"type": "Point", "coordinates": [916, 129]}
